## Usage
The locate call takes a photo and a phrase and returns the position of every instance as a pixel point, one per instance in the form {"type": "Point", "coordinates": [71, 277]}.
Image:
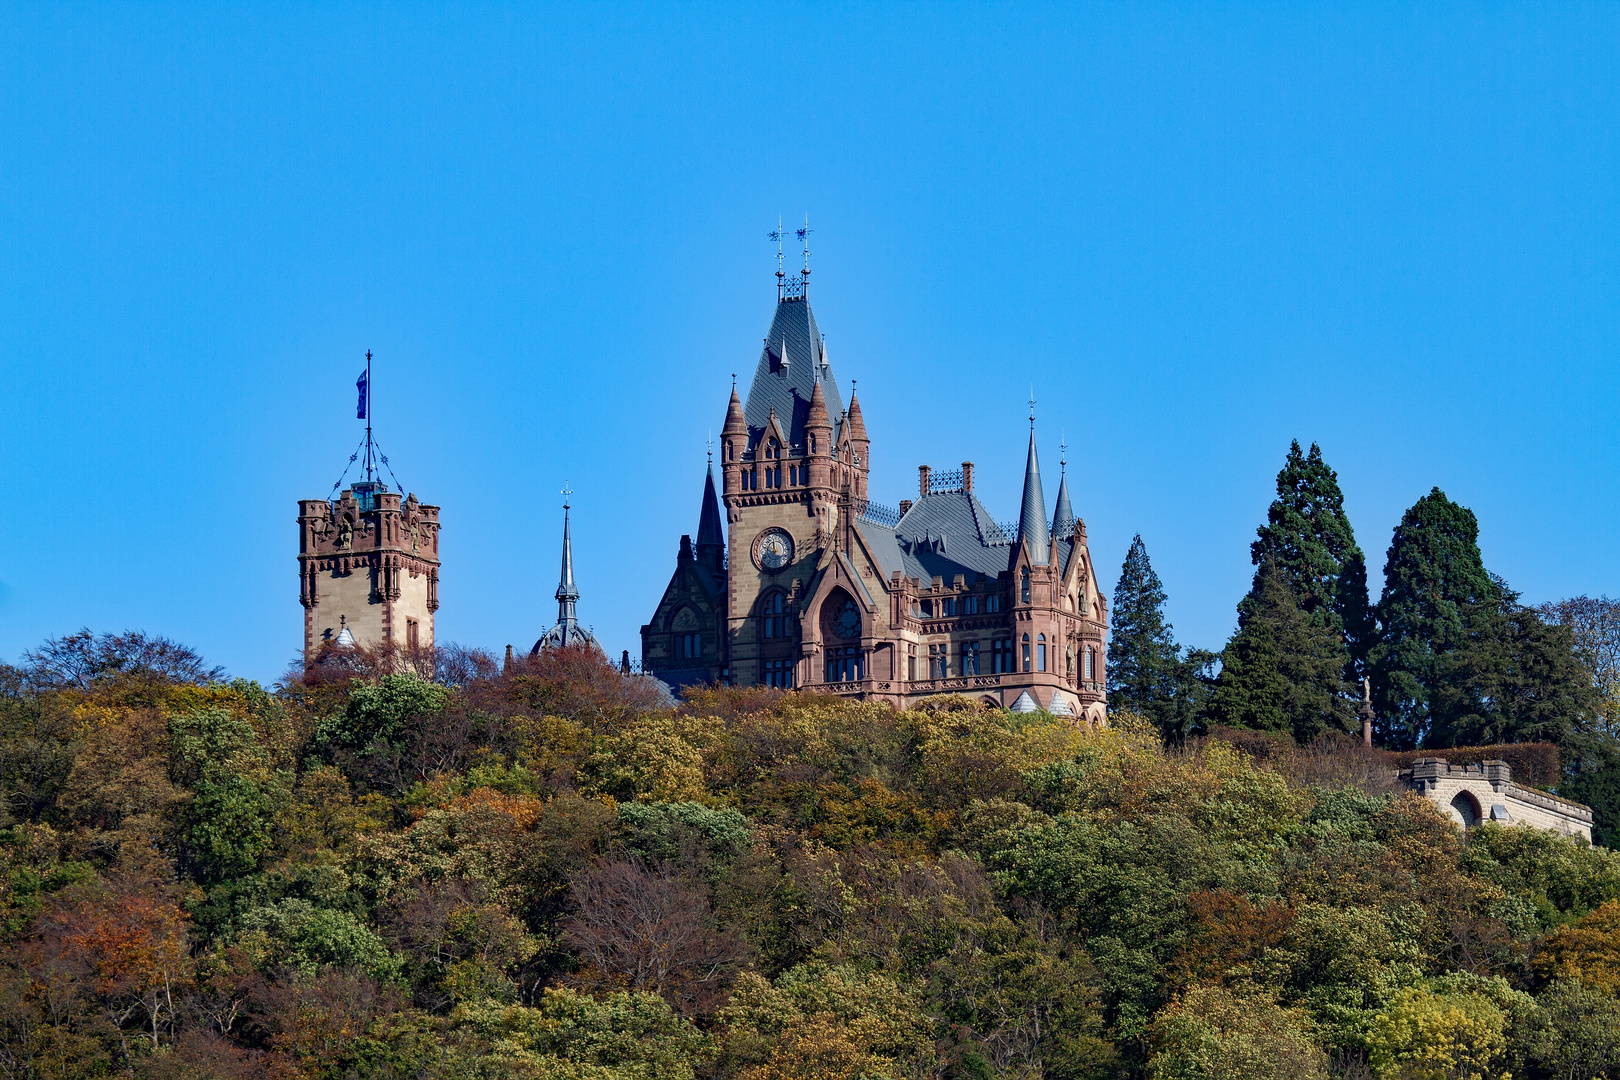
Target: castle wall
{"type": "Point", "coordinates": [1488, 793]}
{"type": "Point", "coordinates": [347, 595]}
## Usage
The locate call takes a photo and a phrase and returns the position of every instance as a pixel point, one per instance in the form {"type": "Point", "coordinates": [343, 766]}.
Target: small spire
{"type": "Point", "coordinates": [804, 238]}
{"type": "Point", "coordinates": [780, 276]}
{"type": "Point", "coordinates": [567, 591]}
{"type": "Point", "coordinates": [1032, 514]}
{"type": "Point", "coordinates": [711, 541]}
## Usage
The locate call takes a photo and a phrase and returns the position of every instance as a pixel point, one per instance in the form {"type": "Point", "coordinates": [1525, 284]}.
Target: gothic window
{"type": "Point", "coordinates": [776, 621]}
{"type": "Point", "coordinates": [841, 617]}
{"type": "Point", "coordinates": [412, 640]}
{"type": "Point", "coordinates": [947, 605]}
{"type": "Point", "coordinates": [845, 664]}
{"type": "Point", "coordinates": [1040, 653]}
{"type": "Point", "coordinates": [970, 658]}
{"type": "Point", "coordinates": [689, 646]}
{"type": "Point", "coordinates": [1023, 585]}
{"type": "Point", "coordinates": [1001, 656]}
{"type": "Point", "coordinates": [970, 605]}
{"type": "Point", "coordinates": [779, 674]}
{"type": "Point", "coordinates": [939, 661]}
{"type": "Point", "coordinates": [1026, 652]}
{"type": "Point", "coordinates": [992, 603]}
{"type": "Point", "coordinates": [911, 664]}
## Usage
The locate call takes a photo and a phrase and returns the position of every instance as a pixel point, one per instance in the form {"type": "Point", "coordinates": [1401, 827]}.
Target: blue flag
{"type": "Point", "coordinates": [360, 412]}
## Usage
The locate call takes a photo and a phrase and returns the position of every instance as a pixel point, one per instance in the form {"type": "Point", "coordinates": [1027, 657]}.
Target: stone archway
{"type": "Point", "coordinates": [1467, 808]}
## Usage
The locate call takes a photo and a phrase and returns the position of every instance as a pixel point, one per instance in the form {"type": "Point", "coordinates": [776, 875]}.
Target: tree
{"type": "Point", "coordinates": [1141, 649]}
{"type": "Point", "coordinates": [80, 659]}
{"type": "Point", "coordinates": [1434, 577]}
{"type": "Point", "coordinates": [1595, 624]}
{"type": "Point", "coordinates": [1283, 670]}
{"type": "Point", "coordinates": [1309, 538]}
{"type": "Point", "coordinates": [1213, 1033]}
{"type": "Point", "coordinates": [1147, 671]}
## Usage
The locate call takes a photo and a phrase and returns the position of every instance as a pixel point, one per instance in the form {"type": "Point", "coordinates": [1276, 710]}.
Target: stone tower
{"type": "Point", "coordinates": [368, 566]}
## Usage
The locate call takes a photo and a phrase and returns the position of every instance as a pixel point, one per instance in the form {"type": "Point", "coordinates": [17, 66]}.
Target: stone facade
{"type": "Point", "coordinates": [818, 587]}
{"type": "Point", "coordinates": [1471, 794]}
{"type": "Point", "coordinates": [368, 563]}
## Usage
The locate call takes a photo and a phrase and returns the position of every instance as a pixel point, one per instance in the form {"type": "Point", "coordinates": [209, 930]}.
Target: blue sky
{"type": "Point", "coordinates": [1199, 231]}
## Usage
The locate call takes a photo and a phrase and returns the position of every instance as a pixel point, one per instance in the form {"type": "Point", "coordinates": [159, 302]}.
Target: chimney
{"type": "Point", "coordinates": [922, 481]}
{"type": "Point", "coordinates": [508, 666]}
{"type": "Point", "coordinates": [967, 477]}
{"type": "Point", "coordinates": [905, 507]}
{"type": "Point", "coordinates": [624, 664]}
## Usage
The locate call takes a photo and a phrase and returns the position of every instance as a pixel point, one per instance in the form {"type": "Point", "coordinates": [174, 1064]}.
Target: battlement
{"type": "Point", "coordinates": [373, 520]}
{"type": "Point", "coordinates": [1473, 794]}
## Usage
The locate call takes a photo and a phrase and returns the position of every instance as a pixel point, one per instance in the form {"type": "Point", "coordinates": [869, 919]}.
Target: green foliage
{"type": "Point", "coordinates": [1284, 668]}
{"type": "Point", "coordinates": [378, 713]}
{"type": "Point", "coordinates": [305, 938]}
{"type": "Point", "coordinates": [1212, 1033]}
{"type": "Point", "coordinates": [1147, 671]}
{"type": "Point", "coordinates": [1308, 539]}
{"type": "Point", "coordinates": [390, 878]}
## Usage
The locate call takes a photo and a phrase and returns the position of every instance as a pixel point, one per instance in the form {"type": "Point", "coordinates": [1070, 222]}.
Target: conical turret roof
{"type": "Point", "coordinates": [1063, 517]}
{"type": "Point", "coordinates": [1032, 516]}
{"type": "Point", "coordinates": [856, 426]}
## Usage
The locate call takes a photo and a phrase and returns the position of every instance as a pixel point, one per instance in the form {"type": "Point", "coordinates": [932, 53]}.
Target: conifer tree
{"type": "Point", "coordinates": [1309, 537]}
{"type": "Point", "coordinates": [1146, 669]}
{"type": "Point", "coordinates": [1284, 669]}
{"type": "Point", "coordinates": [1435, 584]}
{"type": "Point", "coordinates": [1141, 649]}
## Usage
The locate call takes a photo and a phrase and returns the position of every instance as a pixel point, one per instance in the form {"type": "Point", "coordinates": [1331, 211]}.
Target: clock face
{"type": "Point", "coordinates": [773, 549]}
{"type": "Point", "coordinates": [848, 621]}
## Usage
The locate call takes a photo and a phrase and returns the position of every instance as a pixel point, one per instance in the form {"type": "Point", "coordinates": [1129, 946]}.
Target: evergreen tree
{"type": "Point", "coordinates": [1435, 586]}
{"type": "Point", "coordinates": [1310, 540]}
{"type": "Point", "coordinates": [1146, 669]}
{"type": "Point", "coordinates": [1141, 648]}
{"type": "Point", "coordinates": [1284, 669]}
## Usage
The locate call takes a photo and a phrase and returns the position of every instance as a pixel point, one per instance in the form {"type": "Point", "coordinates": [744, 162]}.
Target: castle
{"type": "Point", "coordinates": [809, 584]}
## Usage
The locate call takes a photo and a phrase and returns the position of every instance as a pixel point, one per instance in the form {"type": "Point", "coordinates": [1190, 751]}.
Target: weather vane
{"type": "Point", "coordinates": [777, 235]}
{"type": "Point", "coordinates": [804, 238]}
{"type": "Point", "coordinates": [566, 492]}
{"type": "Point", "coordinates": [1032, 408]}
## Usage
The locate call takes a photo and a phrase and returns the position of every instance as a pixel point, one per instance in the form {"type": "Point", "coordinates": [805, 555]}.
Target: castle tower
{"type": "Point", "coordinates": [368, 561]}
{"type": "Point", "coordinates": [368, 564]}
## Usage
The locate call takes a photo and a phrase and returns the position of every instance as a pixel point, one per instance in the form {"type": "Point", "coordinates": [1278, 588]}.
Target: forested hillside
{"type": "Point", "coordinates": [550, 872]}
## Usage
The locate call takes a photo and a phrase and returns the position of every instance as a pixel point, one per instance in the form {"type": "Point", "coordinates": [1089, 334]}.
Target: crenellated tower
{"type": "Point", "coordinates": [368, 559]}
{"type": "Point", "coordinates": [368, 568]}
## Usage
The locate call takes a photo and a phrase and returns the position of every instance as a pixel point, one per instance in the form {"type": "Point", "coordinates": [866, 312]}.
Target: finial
{"type": "Point", "coordinates": [1063, 451]}
{"type": "Point", "coordinates": [566, 492]}
{"type": "Point", "coordinates": [733, 382]}
{"type": "Point", "coordinates": [368, 355]}
{"type": "Point", "coordinates": [710, 444]}
{"type": "Point", "coordinates": [804, 238]}
{"type": "Point", "coordinates": [777, 235]}
{"type": "Point", "coordinates": [1032, 408]}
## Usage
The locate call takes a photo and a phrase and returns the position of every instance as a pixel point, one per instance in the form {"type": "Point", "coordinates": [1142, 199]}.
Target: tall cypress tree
{"type": "Point", "coordinates": [1284, 668]}
{"type": "Point", "coordinates": [1308, 537]}
{"type": "Point", "coordinates": [1146, 669]}
{"type": "Point", "coordinates": [1435, 584]}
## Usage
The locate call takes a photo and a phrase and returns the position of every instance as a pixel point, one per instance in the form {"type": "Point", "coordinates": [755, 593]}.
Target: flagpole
{"type": "Point", "coordinates": [369, 467]}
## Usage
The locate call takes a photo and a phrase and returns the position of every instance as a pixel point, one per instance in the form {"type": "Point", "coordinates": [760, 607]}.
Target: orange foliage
{"type": "Point", "coordinates": [1588, 951]}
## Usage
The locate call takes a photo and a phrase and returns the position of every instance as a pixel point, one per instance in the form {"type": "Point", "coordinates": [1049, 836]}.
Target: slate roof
{"type": "Point", "coordinates": [788, 389]}
{"type": "Point", "coordinates": [945, 534]}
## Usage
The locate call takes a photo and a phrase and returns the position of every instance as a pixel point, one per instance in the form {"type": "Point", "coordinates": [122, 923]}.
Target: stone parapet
{"type": "Point", "coordinates": [1473, 794]}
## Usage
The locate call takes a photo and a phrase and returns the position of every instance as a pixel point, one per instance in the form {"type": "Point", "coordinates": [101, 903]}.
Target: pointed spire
{"type": "Point", "coordinates": [853, 422]}
{"type": "Point", "coordinates": [1063, 516]}
{"type": "Point", "coordinates": [1032, 517]}
{"type": "Point", "coordinates": [567, 591]}
{"type": "Point", "coordinates": [709, 537]}
{"type": "Point", "coordinates": [736, 423]}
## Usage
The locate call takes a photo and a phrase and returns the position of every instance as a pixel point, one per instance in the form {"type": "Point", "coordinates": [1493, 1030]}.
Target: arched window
{"type": "Point", "coordinates": [1026, 652]}
{"type": "Point", "coordinates": [776, 621]}
{"type": "Point", "coordinates": [1023, 585]}
{"type": "Point", "coordinates": [1040, 653]}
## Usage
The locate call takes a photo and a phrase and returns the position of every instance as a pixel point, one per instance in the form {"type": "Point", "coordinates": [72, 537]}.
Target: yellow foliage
{"type": "Point", "coordinates": [1589, 950]}
{"type": "Point", "coordinates": [1427, 1036]}
{"type": "Point", "coordinates": [656, 757]}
